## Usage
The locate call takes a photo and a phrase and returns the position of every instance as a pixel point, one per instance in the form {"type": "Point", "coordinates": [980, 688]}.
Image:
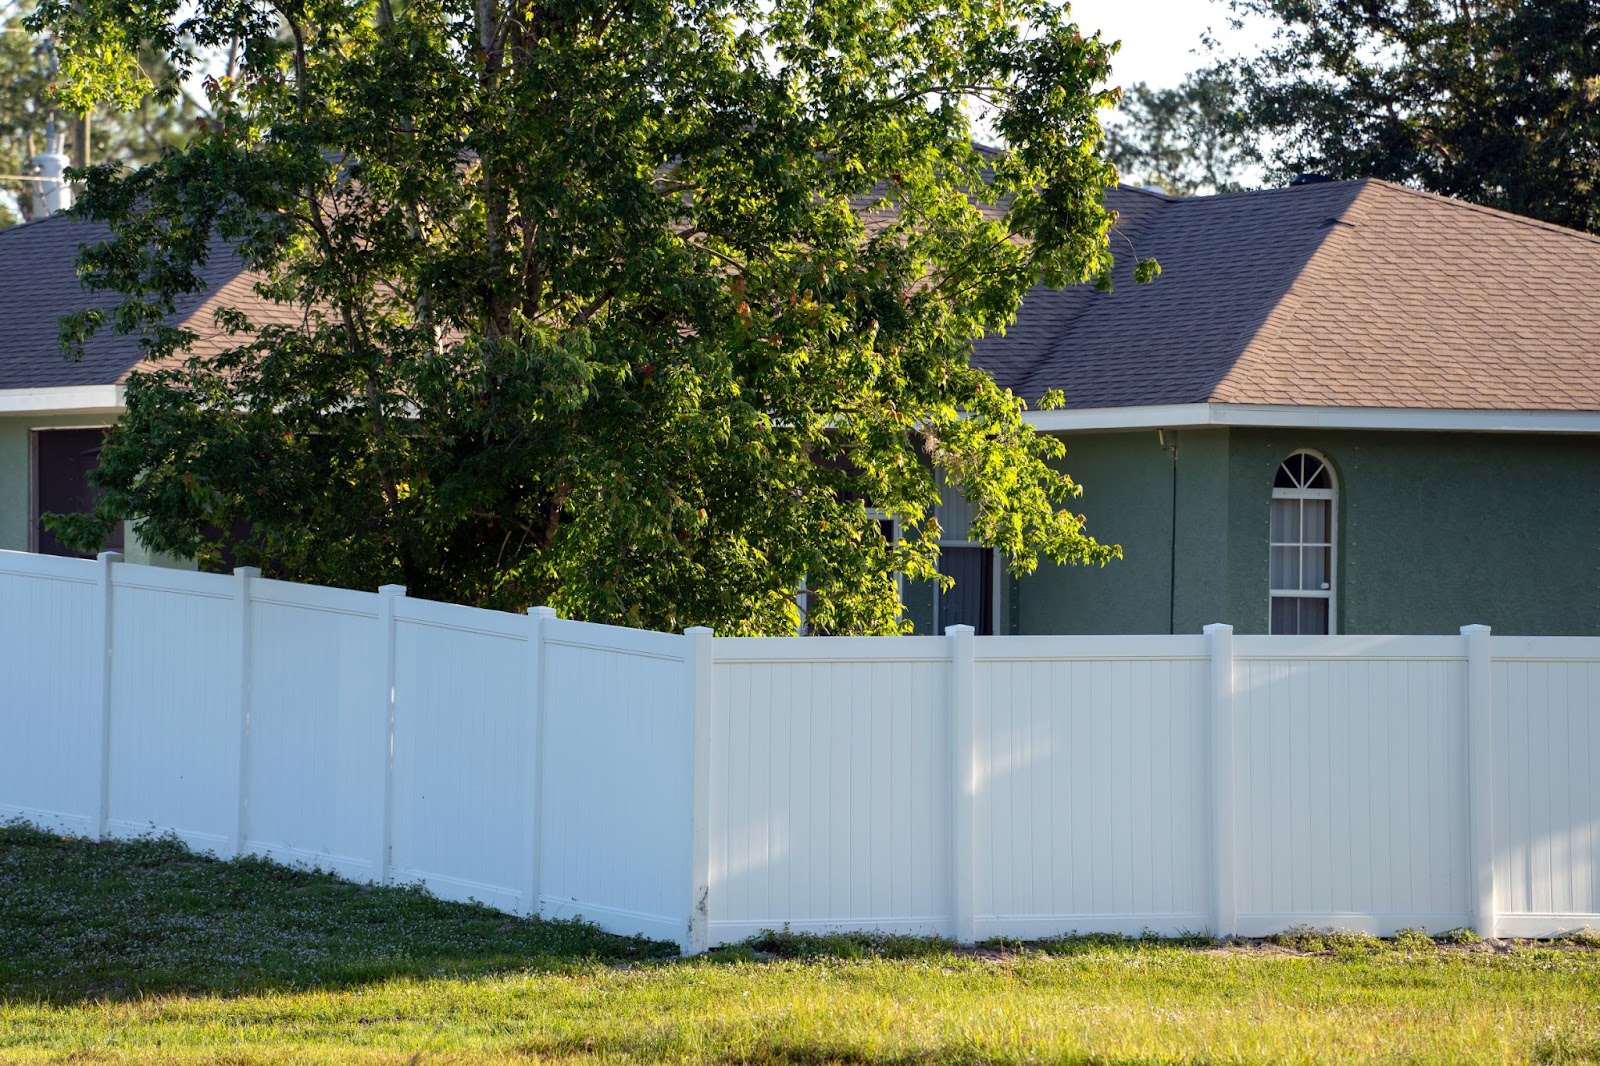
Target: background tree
{"type": "Point", "coordinates": [1492, 101]}
{"type": "Point", "coordinates": [134, 136]}
{"type": "Point", "coordinates": [625, 306]}
{"type": "Point", "coordinates": [1187, 140]}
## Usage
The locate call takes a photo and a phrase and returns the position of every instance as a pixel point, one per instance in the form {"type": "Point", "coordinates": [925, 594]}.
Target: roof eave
{"type": "Point", "coordinates": [1199, 415]}
{"type": "Point", "coordinates": [64, 400]}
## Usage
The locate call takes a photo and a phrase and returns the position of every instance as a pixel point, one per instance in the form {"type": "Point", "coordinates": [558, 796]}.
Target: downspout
{"type": "Point", "coordinates": [1172, 536]}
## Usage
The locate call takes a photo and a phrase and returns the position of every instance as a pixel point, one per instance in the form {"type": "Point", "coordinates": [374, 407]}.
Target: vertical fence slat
{"type": "Point", "coordinates": [243, 577]}
{"type": "Point", "coordinates": [963, 780]}
{"type": "Point", "coordinates": [534, 779]}
{"type": "Point", "coordinates": [1480, 779]}
{"type": "Point", "coordinates": [387, 594]}
{"type": "Point", "coordinates": [1219, 638]}
{"type": "Point", "coordinates": [102, 689]}
{"type": "Point", "coordinates": [702, 904]}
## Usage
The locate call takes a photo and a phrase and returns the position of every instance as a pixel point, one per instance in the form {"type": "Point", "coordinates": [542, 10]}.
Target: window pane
{"type": "Point", "coordinates": [1285, 615]}
{"type": "Point", "coordinates": [1284, 479]}
{"type": "Point", "coordinates": [1314, 568]}
{"type": "Point", "coordinates": [1285, 521]}
{"type": "Point", "coordinates": [1316, 515]}
{"type": "Point", "coordinates": [1285, 568]}
{"type": "Point", "coordinates": [1313, 616]}
{"type": "Point", "coordinates": [969, 601]}
{"type": "Point", "coordinates": [1317, 473]}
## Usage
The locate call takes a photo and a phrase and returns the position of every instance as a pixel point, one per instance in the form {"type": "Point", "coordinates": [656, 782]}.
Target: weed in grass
{"type": "Point", "coordinates": [1414, 940]}
{"type": "Point", "coordinates": [1561, 1046]}
{"type": "Point", "coordinates": [785, 944]}
{"type": "Point", "coordinates": [1083, 943]}
{"type": "Point", "coordinates": [1461, 936]}
{"type": "Point", "coordinates": [1583, 938]}
{"type": "Point", "coordinates": [1327, 941]}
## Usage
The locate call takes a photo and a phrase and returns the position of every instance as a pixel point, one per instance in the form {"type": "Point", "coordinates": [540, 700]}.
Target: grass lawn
{"type": "Point", "coordinates": [144, 952]}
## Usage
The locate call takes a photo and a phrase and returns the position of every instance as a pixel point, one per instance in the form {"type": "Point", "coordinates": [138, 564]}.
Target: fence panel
{"type": "Point", "coordinates": [831, 785]}
{"type": "Point", "coordinates": [49, 772]}
{"type": "Point", "coordinates": [316, 736]}
{"type": "Point", "coordinates": [1547, 744]}
{"type": "Point", "coordinates": [701, 789]}
{"type": "Point", "coordinates": [462, 725]}
{"type": "Point", "coordinates": [618, 757]}
{"type": "Point", "coordinates": [1351, 783]}
{"type": "Point", "coordinates": [175, 697]}
{"type": "Point", "coordinates": [1093, 786]}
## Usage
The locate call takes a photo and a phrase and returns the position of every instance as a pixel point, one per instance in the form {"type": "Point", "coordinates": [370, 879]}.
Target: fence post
{"type": "Point", "coordinates": [964, 782]}
{"type": "Point", "coordinates": [702, 905]}
{"type": "Point", "coordinates": [1480, 779]}
{"type": "Point", "coordinates": [533, 792]}
{"type": "Point", "coordinates": [1225, 908]}
{"type": "Point", "coordinates": [387, 595]}
{"type": "Point", "coordinates": [243, 576]}
{"type": "Point", "coordinates": [102, 667]}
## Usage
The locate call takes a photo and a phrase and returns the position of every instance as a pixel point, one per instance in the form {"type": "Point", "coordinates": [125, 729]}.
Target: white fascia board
{"type": "Point", "coordinates": [1197, 415]}
{"type": "Point", "coordinates": [63, 400]}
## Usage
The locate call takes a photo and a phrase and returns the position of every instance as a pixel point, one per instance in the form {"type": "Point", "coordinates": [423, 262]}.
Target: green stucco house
{"type": "Point", "coordinates": [1343, 407]}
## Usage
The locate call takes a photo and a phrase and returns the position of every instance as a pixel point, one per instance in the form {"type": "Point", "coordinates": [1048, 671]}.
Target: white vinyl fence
{"type": "Point", "coordinates": [700, 788]}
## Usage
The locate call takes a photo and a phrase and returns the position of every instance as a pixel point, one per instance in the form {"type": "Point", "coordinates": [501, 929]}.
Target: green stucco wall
{"type": "Point", "coordinates": [16, 484]}
{"type": "Point", "coordinates": [1435, 531]}
{"type": "Point", "coordinates": [1127, 481]}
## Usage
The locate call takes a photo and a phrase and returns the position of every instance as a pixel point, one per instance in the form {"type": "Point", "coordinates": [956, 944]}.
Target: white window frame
{"type": "Point", "coordinates": [1331, 593]}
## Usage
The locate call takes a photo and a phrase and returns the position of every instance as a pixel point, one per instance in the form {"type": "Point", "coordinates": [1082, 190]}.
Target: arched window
{"type": "Point", "coordinates": [1301, 555]}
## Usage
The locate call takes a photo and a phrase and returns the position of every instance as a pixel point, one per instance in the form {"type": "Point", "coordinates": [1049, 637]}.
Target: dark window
{"type": "Point", "coordinates": [970, 601]}
{"type": "Point", "coordinates": [62, 460]}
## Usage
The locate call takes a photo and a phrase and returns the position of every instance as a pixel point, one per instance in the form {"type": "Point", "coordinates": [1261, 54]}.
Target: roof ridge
{"type": "Point", "coordinates": [1145, 190]}
{"type": "Point", "coordinates": [35, 223]}
{"type": "Point", "coordinates": [1468, 205]}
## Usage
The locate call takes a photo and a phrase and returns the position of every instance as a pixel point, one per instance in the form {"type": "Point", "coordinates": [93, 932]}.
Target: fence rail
{"type": "Point", "coordinates": [700, 789]}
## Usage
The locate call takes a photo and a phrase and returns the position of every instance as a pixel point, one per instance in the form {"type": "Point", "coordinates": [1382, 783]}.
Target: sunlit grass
{"type": "Point", "coordinates": [142, 952]}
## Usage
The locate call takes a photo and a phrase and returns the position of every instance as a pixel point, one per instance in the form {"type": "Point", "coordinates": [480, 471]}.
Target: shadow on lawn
{"type": "Point", "coordinates": [82, 921]}
{"type": "Point", "coordinates": [817, 1053]}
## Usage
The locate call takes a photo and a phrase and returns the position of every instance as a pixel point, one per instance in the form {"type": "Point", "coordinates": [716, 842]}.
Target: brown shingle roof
{"type": "Point", "coordinates": [39, 283]}
{"type": "Point", "coordinates": [1338, 294]}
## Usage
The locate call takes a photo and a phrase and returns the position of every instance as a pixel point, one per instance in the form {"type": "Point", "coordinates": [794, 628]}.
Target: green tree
{"type": "Point", "coordinates": [626, 306]}
{"type": "Point", "coordinates": [1492, 101]}
{"type": "Point", "coordinates": [1186, 140]}
{"type": "Point", "coordinates": [135, 135]}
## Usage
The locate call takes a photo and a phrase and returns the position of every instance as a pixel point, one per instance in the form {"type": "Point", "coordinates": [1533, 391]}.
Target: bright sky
{"type": "Point", "coordinates": [1161, 39]}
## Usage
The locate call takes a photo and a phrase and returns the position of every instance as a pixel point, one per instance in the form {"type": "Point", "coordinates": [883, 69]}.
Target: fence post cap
{"type": "Point", "coordinates": [542, 612]}
{"type": "Point", "coordinates": [695, 631]}
{"type": "Point", "coordinates": [1217, 627]}
{"type": "Point", "coordinates": [391, 590]}
{"type": "Point", "coordinates": [247, 571]}
{"type": "Point", "coordinates": [959, 631]}
{"type": "Point", "coordinates": [1467, 631]}
{"type": "Point", "coordinates": [109, 557]}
